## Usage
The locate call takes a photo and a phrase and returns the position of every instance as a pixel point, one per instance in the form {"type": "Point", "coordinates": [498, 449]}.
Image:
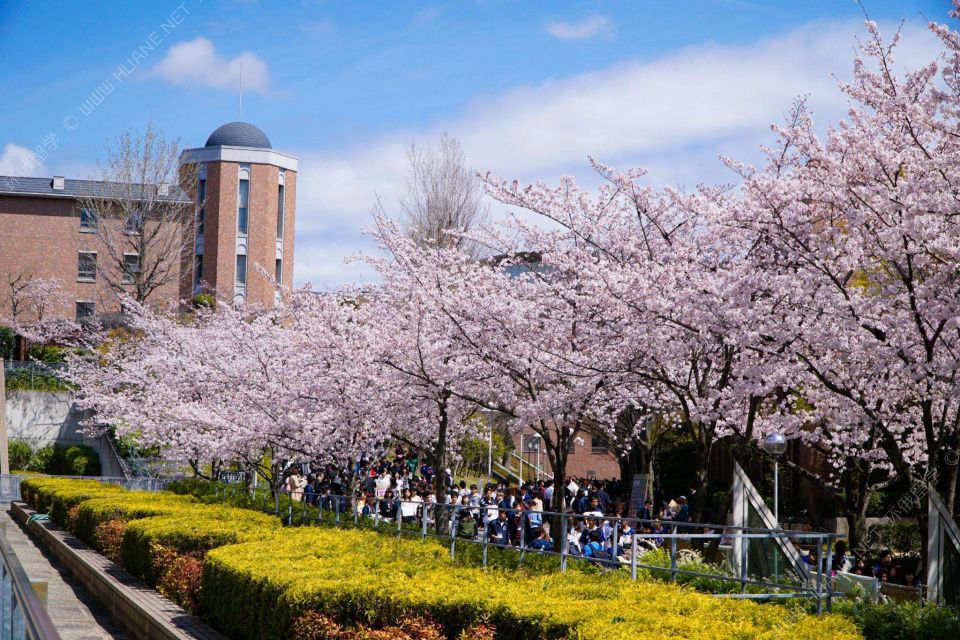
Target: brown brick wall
{"type": "Point", "coordinates": [290, 216]}
{"type": "Point", "coordinates": [220, 229]}
{"type": "Point", "coordinates": [41, 237]}
{"type": "Point", "coordinates": [262, 232]}
{"type": "Point", "coordinates": [581, 463]}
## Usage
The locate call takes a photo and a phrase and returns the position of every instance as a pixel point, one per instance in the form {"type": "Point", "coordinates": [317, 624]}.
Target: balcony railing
{"type": "Point", "coordinates": [24, 616]}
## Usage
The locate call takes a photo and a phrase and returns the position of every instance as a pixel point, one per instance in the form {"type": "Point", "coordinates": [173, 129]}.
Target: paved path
{"type": "Point", "coordinates": [75, 614]}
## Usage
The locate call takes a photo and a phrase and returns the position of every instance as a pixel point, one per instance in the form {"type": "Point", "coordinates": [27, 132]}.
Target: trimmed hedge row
{"type": "Point", "coordinates": [361, 576]}
{"type": "Point", "coordinates": [257, 579]}
{"type": "Point", "coordinates": [153, 525]}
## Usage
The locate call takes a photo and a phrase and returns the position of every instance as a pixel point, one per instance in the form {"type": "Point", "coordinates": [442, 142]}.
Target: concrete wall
{"type": "Point", "coordinates": [43, 417]}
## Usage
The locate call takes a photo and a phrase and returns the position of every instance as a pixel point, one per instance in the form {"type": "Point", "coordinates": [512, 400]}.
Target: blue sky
{"type": "Point", "coordinates": [530, 88]}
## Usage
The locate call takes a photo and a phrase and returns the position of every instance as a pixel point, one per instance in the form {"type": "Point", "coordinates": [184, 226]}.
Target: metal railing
{"type": "Point", "coordinates": [29, 374]}
{"type": "Point", "coordinates": [10, 484]}
{"type": "Point", "coordinates": [617, 551]}
{"type": "Point", "coordinates": [24, 616]}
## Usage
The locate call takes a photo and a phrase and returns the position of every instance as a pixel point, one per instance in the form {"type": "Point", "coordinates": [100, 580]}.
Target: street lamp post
{"type": "Point", "coordinates": [487, 412]}
{"type": "Point", "coordinates": [489, 451]}
{"type": "Point", "coordinates": [775, 444]}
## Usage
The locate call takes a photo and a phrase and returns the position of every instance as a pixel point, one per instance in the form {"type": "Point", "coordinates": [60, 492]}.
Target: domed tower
{"type": "Point", "coordinates": [246, 202]}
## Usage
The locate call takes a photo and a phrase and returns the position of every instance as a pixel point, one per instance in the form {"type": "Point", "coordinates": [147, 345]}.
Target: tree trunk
{"type": "Point", "coordinates": [701, 475]}
{"type": "Point", "coordinates": [856, 499]}
{"type": "Point", "coordinates": [440, 463]}
{"type": "Point", "coordinates": [558, 460]}
{"type": "Point", "coordinates": [637, 460]}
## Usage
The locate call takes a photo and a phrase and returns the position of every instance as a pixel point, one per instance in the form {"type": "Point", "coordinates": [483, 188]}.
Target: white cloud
{"type": "Point", "coordinates": [587, 28]}
{"type": "Point", "coordinates": [19, 161]}
{"type": "Point", "coordinates": [672, 114]}
{"type": "Point", "coordinates": [197, 63]}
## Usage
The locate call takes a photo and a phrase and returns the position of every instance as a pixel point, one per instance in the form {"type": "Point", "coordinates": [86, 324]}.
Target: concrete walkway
{"type": "Point", "coordinates": [75, 614]}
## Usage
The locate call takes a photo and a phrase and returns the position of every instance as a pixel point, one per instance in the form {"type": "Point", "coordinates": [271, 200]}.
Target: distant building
{"type": "Point", "coordinates": [245, 212]}
{"type": "Point", "coordinates": [588, 457]}
{"type": "Point", "coordinates": [248, 191]}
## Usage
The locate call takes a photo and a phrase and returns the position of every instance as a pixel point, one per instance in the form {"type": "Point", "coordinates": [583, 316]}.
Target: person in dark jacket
{"type": "Point", "coordinates": [683, 515]}
{"type": "Point", "coordinates": [389, 506]}
{"type": "Point", "coordinates": [581, 502]}
{"type": "Point", "coordinates": [602, 497]}
{"type": "Point", "coordinates": [542, 541]}
{"type": "Point", "coordinates": [646, 512]}
{"type": "Point", "coordinates": [498, 532]}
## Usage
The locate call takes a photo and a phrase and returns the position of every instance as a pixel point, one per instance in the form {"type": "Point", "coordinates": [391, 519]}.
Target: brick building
{"type": "Point", "coordinates": [245, 205]}
{"type": "Point", "coordinates": [248, 191]}
{"type": "Point", "coordinates": [588, 458]}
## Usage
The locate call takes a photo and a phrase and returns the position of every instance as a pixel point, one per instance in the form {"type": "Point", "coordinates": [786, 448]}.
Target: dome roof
{"type": "Point", "coordinates": [238, 134]}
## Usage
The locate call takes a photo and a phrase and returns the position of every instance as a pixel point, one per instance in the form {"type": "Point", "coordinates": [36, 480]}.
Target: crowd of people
{"type": "Point", "coordinates": [401, 488]}
{"type": "Point", "coordinates": [886, 567]}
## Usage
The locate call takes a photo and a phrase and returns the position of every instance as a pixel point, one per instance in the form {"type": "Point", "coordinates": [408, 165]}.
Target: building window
{"type": "Point", "coordinates": [197, 272]}
{"type": "Point", "coordinates": [131, 266]}
{"type": "Point", "coordinates": [85, 310]}
{"type": "Point", "coordinates": [241, 269]}
{"type": "Point", "coordinates": [201, 205]}
{"type": "Point", "coordinates": [598, 444]}
{"type": "Point", "coordinates": [133, 223]}
{"type": "Point", "coordinates": [280, 205]}
{"type": "Point", "coordinates": [87, 266]}
{"type": "Point", "coordinates": [88, 221]}
{"type": "Point", "coordinates": [278, 272]}
{"type": "Point", "coordinates": [531, 444]}
{"type": "Point", "coordinates": [242, 203]}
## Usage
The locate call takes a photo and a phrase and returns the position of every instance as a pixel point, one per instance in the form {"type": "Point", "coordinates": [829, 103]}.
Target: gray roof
{"type": "Point", "coordinates": [238, 134]}
{"type": "Point", "coordinates": [43, 187]}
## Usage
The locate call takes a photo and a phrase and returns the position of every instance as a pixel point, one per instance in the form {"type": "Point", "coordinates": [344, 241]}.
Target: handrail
{"type": "Point", "coordinates": [617, 551]}
{"type": "Point", "coordinates": [532, 465]}
{"type": "Point", "coordinates": [28, 619]}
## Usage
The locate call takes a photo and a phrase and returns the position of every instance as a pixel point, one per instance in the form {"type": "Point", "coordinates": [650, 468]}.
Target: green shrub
{"type": "Point", "coordinates": [906, 621]}
{"type": "Point", "coordinates": [41, 460]}
{"type": "Point", "coordinates": [8, 340]}
{"type": "Point", "coordinates": [204, 300]}
{"type": "Point", "coordinates": [58, 460]}
{"type": "Point", "coordinates": [255, 590]}
{"type": "Point", "coordinates": [149, 519]}
{"type": "Point", "coordinates": [900, 536]}
{"type": "Point", "coordinates": [19, 453]}
{"type": "Point", "coordinates": [264, 578]}
{"type": "Point", "coordinates": [47, 353]}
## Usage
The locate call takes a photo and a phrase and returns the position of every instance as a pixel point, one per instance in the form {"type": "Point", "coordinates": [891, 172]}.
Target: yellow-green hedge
{"type": "Point", "coordinates": [254, 590]}
{"type": "Point", "coordinates": [179, 522]}
{"type": "Point", "coordinates": [257, 578]}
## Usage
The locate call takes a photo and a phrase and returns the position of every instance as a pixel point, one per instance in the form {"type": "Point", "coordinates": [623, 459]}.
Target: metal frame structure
{"type": "Point", "coordinates": [341, 510]}
{"type": "Point", "coordinates": [745, 496]}
{"type": "Point", "coordinates": [941, 531]}
{"type": "Point", "coordinates": [22, 612]}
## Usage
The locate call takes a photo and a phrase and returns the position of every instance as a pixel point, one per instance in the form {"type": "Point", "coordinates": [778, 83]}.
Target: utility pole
{"type": "Point", "coordinates": [4, 452]}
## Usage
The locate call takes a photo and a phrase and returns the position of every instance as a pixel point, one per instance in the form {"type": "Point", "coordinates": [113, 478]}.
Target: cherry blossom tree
{"type": "Point", "coordinates": [33, 310]}
{"type": "Point", "coordinates": [668, 306]}
{"type": "Point", "coordinates": [857, 232]}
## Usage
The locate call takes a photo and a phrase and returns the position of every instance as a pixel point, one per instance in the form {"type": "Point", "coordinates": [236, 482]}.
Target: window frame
{"type": "Point", "coordinates": [127, 276]}
{"type": "Point", "coordinates": [80, 274]}
{"type": "Point", "coordinates": [237, 271]}
{"type": "Point", "coordinates": [599, 445]}
{"type": "Point", "coordinates": [93, 309]}
{"type": "Point", "coordinates": [91, 225]}
{"type": "Point", "coordinates": [201, 205]}
{"type": "Point", "coordinates": [243, 207]}
{"type": "Point", "coordinates": [281, 210]}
